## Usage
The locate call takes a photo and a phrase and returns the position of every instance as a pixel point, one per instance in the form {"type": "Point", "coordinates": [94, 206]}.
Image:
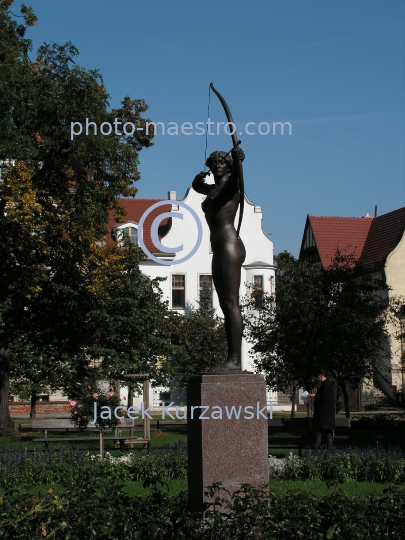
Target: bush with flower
{"type": "Point", "coordinates": [82, 409]}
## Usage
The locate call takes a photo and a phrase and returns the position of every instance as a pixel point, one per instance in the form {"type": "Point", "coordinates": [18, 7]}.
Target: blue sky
{"type": "Point", "coordinates": [335, 70]}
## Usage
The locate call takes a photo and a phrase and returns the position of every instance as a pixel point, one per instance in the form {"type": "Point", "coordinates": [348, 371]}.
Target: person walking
{"type": "Point", "coordinates": [324, 411]}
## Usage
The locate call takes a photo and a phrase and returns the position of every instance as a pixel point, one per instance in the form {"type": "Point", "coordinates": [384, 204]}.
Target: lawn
{"type": "Point", "coordinates": [280, 488]}
{"type": "Point", "coordinates": [320, 489]}
{"type": "Point", "coordinates": [132, 489]}
{"type": "Point", "coordinates": [25, 441]}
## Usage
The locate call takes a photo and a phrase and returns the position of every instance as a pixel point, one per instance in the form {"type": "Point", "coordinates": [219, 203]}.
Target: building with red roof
{"type": "Point", "coordinates": [384, 237]}
{"type": "Point", "coordinates": [323, 235]}
{"type": "Point", "coordinates": [379, 243]}
{"type": "Point", "coordinates": [135, 208]}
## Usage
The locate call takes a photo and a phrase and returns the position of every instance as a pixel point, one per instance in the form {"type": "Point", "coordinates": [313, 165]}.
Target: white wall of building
{"type": "Point", "coordinates": [395, 277]}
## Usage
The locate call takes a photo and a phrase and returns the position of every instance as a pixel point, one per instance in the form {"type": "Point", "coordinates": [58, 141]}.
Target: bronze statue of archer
{"type": "Point", "coordinates": [228, 251]}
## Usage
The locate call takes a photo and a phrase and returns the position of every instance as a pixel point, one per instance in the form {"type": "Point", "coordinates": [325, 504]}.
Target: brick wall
{"type": "Point", "coordinates": [44, 407]}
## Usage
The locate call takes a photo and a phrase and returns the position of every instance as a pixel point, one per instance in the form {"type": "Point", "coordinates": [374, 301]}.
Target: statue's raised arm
{"type": "Point", "coordinates": [200, 185]}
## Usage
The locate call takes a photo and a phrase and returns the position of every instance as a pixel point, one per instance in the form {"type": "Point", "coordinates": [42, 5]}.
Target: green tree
{"type": "Point", "coordinates": [110, 322]}
{"type": "Point", "coordinates": [199, 339]}
{"type": "Point", "coordinates": [15, 77]}
{"type": "Point", "coordinates": [129, 323]}
{"type": "Point", "coordinates": [333, 318]}
{"type": "Point", "coordinates": [354, 337]}
{"type": "Point", "coordinates": [56, 192]}
{"type": "Point", "coordinates": [37, 371]}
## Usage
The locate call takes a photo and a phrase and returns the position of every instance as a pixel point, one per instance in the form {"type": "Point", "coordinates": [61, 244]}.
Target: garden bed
{"type": "Point", "coordinates": [71, 494]}
{"type": "Point", "coordinates": [102, 511]}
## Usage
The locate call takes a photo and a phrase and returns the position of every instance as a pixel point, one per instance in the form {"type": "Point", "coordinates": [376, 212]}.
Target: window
{"type": "Point", "coordinates": [132, 232]}
{"type": "Point", "coordinates": [258, 291]}
{"type": "Point", "coordinates": [159, 395]}
{"type": "Point", "coordinates": [42, 397]}
{"type": "Point", "coordinates": [258, 282]}
{"type": "Point", "coordinates": [178, 291]}
{"type": "Point", "coordinates": [205, 290]}
{"type": "Point", "coordinates": [309, 238]}
{"type": "Point", "coordinates": [164, 397]}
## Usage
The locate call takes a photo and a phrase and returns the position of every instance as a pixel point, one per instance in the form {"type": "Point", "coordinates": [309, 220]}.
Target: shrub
{"type": "Point", "coordinates": [26, 468]}
{"type": "Point", "coordinates": [83, 410]}
{"type": "Point", "coordinates": [101, 511]}
{"type": "Point", "coordinates": [377, 421]}
{"type": "Point", "coordinates": [70, 464]}
{"type": "Point", "coordinates": [348, 465]}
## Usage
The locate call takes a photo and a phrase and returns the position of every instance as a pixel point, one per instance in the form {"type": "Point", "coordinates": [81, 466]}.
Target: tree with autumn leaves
{"type": "Point", "coordinates": [59, 312]}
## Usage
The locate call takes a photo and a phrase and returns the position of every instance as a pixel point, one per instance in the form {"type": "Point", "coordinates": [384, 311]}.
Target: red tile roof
{"type": "Point", "coordinates": [347, 234]}
{"type": "Point", "coordinates": [135, 208]}
{"type": "Point", "coordinates": [385, 233]}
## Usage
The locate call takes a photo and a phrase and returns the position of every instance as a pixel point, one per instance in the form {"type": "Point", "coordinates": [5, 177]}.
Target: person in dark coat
{"type": "Point", "coordinates": [324, 411]}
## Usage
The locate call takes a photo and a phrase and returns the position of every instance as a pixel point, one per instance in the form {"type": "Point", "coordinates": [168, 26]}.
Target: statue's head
{"type": "Point", "coordinates": [219, 157]}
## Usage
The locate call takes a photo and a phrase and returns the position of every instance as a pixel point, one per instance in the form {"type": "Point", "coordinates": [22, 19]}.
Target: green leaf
{"type": "Point", "coordinates": [330, 531]}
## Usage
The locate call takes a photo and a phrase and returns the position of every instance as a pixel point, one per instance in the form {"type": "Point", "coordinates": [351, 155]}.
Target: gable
{"type": "Point", "coordinates": [309, 250]}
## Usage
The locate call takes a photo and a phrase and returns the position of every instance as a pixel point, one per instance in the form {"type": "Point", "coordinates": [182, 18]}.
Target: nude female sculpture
{"type": "Point", "coordinates": [228, 251]}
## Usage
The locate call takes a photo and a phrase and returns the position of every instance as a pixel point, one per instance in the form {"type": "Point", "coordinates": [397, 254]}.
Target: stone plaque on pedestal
{"type": "Point", "coordinates": [227, 433]}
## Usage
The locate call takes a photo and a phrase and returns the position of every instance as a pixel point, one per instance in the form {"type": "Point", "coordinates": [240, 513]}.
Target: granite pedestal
{"type": "Point", "coordinates": [231, 449]}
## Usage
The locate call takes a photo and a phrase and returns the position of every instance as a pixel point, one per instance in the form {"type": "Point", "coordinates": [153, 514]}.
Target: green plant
{"type": "Point", "coordinates": [102, 511]}
{"type": "Point", "coordinates": [347, 465]}
{"type": "Point", "coordinates": [377, 421]}
{"type": "Point", "coordinates": [71, 465]}
{"type": "Point", "coordinates": [94, 398]}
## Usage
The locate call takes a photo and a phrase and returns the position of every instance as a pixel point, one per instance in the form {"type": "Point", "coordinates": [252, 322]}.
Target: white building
{"type": "Point", "coordinates": [184, 280]}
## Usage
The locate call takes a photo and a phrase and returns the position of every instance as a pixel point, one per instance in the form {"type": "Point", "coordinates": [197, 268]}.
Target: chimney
{"type": "Point", "coordinates": [375, 211]}
{"type": "Point", "coordinates": [171, 195]}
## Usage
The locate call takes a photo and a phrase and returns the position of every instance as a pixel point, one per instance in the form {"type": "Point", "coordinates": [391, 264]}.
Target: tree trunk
{"type": "Point", "coordinates": [338, 400]}
{"type": "Point", "coordinates": [293, 401]}
{"type": "Point", "coordinates": [33, 407]}
{"type": "Point", "coordinates": [346, 397]}
{"type": "Point", "coordinates": [7, 426]}
{"type": "Point", "coordinates": [117, 386]}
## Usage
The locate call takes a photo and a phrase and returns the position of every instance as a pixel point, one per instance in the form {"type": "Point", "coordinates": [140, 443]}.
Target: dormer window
{"type": "Point", "coordinates": [132, 232]}
{"type": "Point", "coordinates": [129, 230]}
